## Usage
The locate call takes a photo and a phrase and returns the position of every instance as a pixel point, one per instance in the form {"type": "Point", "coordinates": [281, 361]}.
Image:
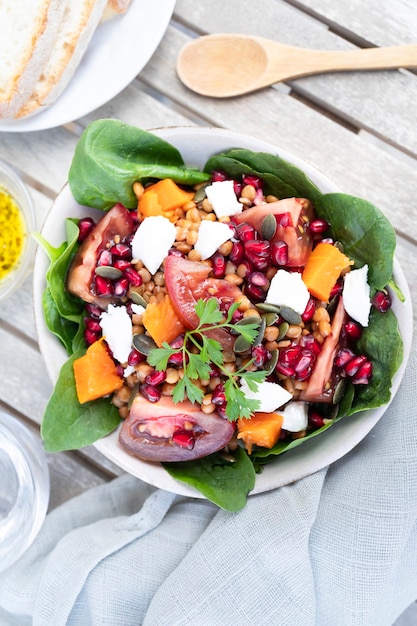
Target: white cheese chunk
{"type": "Point", "coordinates": [222, 198]}
{"type": "Point", "coordinates": [138, 309]}
{"type": "Point", "coordinates": [356, 295]}
{"type": "Point", "coordinates": [117, 331]}
{"type": "Point", "coordinates": [210, 236]}
{"type": "Point", "coordinates": [295, 417]}
{"type": "Point", "coordinates": [288, 289]}
{"type": "Point", "coordinates": [152, 241]}
{"type": "Point", "coordinates": [271, 396]}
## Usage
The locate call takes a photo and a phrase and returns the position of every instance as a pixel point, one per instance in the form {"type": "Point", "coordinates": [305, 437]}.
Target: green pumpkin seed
{"type": "Point", "coordinates": [107, 271]}
{"type": "Point", "coordinates": [290, 316]}
{"type": "Point", "coordinates": [251, 319]}
{"type": "Point", "coordinates": [270, 365]}
{"type": "Point", "coordinates": [241, 345]}
{"type": "Point", "coordinates": [143, 344]}
{"type": "Point", "coordinates": [283, 329]}
{"type": "Point", "coordinates": [134, 393]}
{"type": "Point", "coordinates": [226, 456]}
{"type": "Point", "coordinates": [268, 307]}
{"type": "Point", "coordinates": [270, 318]}
{"type": "Point", "coordinates": [268, 226]}
{"type": "Point", "coordinates": [200, 194]}
{"type": "Point", "coordinates": [260, 335]}
{"type": "Point", "coordinates": [339, 391]}
{"type": "Point", "coordinates": [137, 298]}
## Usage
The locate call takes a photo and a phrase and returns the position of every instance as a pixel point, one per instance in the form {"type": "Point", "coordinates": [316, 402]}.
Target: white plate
{"type": "Point", "coordinates": [118, 51]}
{"type": "Point", "coordinates": [196, 145]}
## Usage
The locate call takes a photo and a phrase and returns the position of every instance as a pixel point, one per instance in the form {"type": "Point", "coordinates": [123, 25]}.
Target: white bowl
{"type": "Point", "coordinates": [11, 184]}
{"type": "Point", "coordinates": [24, 492]}
{"type": "Point", "coordinates": [196, 144]}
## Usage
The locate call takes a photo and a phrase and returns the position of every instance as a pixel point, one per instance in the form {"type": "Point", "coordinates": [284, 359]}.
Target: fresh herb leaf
{"type": "Point", "coordinates": [197, 365]}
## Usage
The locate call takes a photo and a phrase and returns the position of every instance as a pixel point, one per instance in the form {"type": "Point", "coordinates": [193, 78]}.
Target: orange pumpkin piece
{"type": "Point", "coordinates": [262, 429]}
{"type": "Point", "coordinates": [162, 198]}
{"type": "Point", "coordinates": [323, 268]}
{"type": "Point", "coordinates": [95, 373]}
{"type": "Point", "coordinates": [162, 322]}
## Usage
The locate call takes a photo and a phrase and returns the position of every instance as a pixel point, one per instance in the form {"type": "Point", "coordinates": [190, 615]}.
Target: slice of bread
{"type": "Point", "coordinates": [78, 24]}
{"type": "Point", "coordinates": [28, 30]}
{"type": "Point", "coordinates": [115, 8]}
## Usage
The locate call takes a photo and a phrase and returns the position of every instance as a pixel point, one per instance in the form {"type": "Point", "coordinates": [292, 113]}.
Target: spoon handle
{"type": "Point", "coordinates": [303, 62]}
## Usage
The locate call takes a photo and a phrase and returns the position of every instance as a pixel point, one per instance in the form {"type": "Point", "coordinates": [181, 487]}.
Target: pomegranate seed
{"type": "Point", "coordinates": [259, 262]}
{"type": "Point", "coordinates": [259, 279]}
{"type": "Point", "coordinates": [218, 396]}
{"type": "Point", "coordinates": [318, 226]}
{"type": "Point", "coordinates": [134, 278]}
{"type": "Point", "coordinates": [309, 310]}
{"type": "Point", "coordinates": [328, 240]}
{"type": "Point", "coordinates": [284, 219]}
{"type": "Point", "coordinates": [353, 330]}
{"type": "Point", "coordinates": [121, 250]}
{"type": "Point", "coordinates": [254, 293]}
{"type": "Point", "coordinates": [284, 369]}
{"type": "Point", "coordinates": [279, 253]}
{"type": "Point", "coordinates": [290, 355]}
{"type": "Point", "coordinates": [178, 342]}
{"type": "Point", "coordinates": [363, 374]}
{"type": "Point", "coordinates": [175, 252]}
{"type": "Point", "coordinates": [381, 301]}
{"type": "Point", "coordinates": [260, 355]}
{"type": "Point", "coordinates": [150, 392]}
{"type": "Point", "coordinates": [105, 258]}
{"type": "Point", "coordinates": [218, 265]}
{"type": "Point", "coordinates": [237, 315]}
{"type": "Point", "coordinates": [336, 290]}
{"type": "Point", "coordinates": [85, 226]}
{"type": "Point", "coordinates": [259, 198]}
{"type": "Point", "coordinates": [121, 264]}
{"type": "Point", "coordinates": [120, 287]}
{"type": "Point", "coordinates": [184, 439]}
{"type": "Point", "coordinates": [250, 179]}
{"type": "Point", "coordinates": [92, 324]}
{"type": "Point", "coordinates": [237, 188]}
{"type": "Point", "coordinates": [176, 359]}
{"type": "Point", "coordinates": [304, 365]}
{"type": "Point", "coordinates": [103, 286]}
{"type": "Point", "coordinates": [237, 253]}
{"type": "Point", "coordinates": [218, 176]}
{"type": "Point", "coordinates": [315, 419]}
{"type": "Point", "coordinates": [135, 358]}
{"type": "Point", "coordinates": [310, 342]}
{"type": "Point", "coordinates": [156, 378]}
{"type": "Point", "coordinates": [245, 232]}
{"type": "Point", "coordinates": [258, 247]}
{"type": "Point", "coordinates": [343, 356]}
{"type": "Point", "coordinates": [221, 410]}
{"type": "Point", "coordinates": [93, 310]}
{"type": "Point", "coordinates": [90, 336]}
{"type": "Point", "coordinates": [354, 364]}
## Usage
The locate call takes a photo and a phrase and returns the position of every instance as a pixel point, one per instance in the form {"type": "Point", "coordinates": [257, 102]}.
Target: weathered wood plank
{"type": "Point", "coordinates": [382, 102]}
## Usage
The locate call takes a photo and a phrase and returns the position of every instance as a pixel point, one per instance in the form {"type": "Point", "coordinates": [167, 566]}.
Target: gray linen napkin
{"type": "Point", "coordinates": [338, 548]}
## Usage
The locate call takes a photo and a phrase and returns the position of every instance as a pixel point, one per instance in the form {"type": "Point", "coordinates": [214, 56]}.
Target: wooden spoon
{"type": "Point", "coordinates": [227, 65]}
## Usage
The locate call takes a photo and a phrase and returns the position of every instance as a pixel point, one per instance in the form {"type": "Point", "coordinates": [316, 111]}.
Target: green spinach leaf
{"type": "Point", "coordinates": [222, 482]}
{"type": "Point", "coordinates": [111, 155]}
{"type": "Point", "coordinates": [281, 178]}
{"type": "Point", "coordinates": [69, 425]}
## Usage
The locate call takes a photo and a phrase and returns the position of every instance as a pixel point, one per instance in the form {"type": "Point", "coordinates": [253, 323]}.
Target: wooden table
{"type": "Point", "coordinates": [358, 128]}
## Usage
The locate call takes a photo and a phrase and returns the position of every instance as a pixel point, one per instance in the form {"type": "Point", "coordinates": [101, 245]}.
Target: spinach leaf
{"type": "Point", "coordinates": [69, 425]}
{"type": "Point", "coordinates": [111, 155]}
{"type": "Point", "coordinates": [282, 179]}
{"type": "Point", "coordinates": [366, 234]}
{"type": "Point", "coordinates": [382, 343]}
{"type": "Point", "coordinates": [224, 483]}
{"type": "Point", "coordinates": [63, 312]}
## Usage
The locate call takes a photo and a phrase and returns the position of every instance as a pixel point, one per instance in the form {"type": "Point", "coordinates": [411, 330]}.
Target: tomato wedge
{"type": "Point", "coordinates": [296, 234]}
{"type": "Point", "coordinates": [188, 281]}
{"type": "Point", "coordinates": [164, 431]}
{"type": "Point", "coordinates": [117, 221]}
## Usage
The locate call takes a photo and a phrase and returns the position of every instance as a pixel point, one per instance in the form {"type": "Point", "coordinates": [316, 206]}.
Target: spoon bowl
{"type": "Point", "coordinates": [226, 65]}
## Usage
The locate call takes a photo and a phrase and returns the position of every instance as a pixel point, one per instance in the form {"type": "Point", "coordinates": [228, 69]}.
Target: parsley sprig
{"type": "Point", "coordinates": [200, 353]}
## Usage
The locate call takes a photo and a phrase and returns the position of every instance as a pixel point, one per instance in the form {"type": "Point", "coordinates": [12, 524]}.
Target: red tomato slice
{"type": "Point", "coordinates": [163, 431]}
{"type": "Point", "coordinates": [117, 221]}
{"type": "Point", "coordinates": [297, 235]}
{"type": "Point", "coordinates": [188, 281]}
